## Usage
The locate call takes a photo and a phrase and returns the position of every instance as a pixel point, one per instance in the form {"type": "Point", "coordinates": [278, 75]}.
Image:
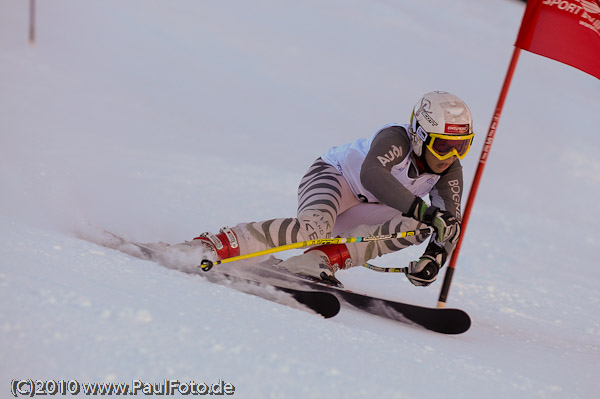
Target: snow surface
{"type": "Point", "coordinates": [161, 119]}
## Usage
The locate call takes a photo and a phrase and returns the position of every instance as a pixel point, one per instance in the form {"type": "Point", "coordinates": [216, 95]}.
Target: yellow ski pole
{"type": "Point", "coordinates": [207, 264]}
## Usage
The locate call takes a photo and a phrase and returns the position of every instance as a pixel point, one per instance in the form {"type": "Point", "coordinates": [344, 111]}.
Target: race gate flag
{"type": "Point", "coordinates": [564, 30]}
{"type": "Point", "coordinates": [567, 31]}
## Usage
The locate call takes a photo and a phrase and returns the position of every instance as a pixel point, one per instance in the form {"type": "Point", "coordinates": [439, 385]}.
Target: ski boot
{"type": "Point", "coordinates": [320, 263]}
{"type": "Point", "coordinates": [223, 245]}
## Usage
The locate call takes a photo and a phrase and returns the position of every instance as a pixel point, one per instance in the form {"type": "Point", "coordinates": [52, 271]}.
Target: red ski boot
{"type": "Point", "coordinates": [223, 245]}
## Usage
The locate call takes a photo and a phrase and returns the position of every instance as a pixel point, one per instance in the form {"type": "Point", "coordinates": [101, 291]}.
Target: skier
{"type": "Point", "coordinates": [373, 186]}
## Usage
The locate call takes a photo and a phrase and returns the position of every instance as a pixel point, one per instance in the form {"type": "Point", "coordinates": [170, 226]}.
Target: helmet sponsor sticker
{"type": "Point", "coordinates": [456, 129]}
{"type": "Point", "coordinates": [424, 111]}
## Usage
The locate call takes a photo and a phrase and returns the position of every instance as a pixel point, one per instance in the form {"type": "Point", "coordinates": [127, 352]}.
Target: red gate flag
{"type": "Point", "coordinates": [564, 30]}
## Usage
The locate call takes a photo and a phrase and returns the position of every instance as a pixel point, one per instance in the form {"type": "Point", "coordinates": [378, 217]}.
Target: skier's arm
{"type": "Point", "coordinates": [446, 195]}
{"type": "Point", "coordinates": [389, 148]}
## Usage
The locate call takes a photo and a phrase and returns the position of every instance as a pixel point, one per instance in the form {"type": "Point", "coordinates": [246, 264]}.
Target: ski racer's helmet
{"type": "Point", "coordinates": [441, 122]}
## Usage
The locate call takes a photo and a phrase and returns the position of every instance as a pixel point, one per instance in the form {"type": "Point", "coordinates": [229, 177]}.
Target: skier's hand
{"type": "Point", "coordinates": [447, 227]}
{"type": "Point", "coordinates": [423, 272]}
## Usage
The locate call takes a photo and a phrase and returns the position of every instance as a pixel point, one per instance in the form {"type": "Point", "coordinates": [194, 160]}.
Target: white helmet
{"type": "Point", "coordinates": [438, 112]}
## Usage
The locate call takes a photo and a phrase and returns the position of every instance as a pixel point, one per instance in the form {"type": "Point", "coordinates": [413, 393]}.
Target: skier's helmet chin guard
{"type": "Point", "coordinates": [441, 122]}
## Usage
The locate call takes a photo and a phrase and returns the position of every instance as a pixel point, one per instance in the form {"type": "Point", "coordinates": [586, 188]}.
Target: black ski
{"type": "Point", "coordinates": [441, 320]}
{"type": "Point", "coordinates": [324, 303]}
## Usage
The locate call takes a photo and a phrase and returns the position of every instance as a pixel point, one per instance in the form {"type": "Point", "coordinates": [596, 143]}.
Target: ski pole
{"type": "Point", "coordinates": [207, 264]}
{"type": "Point", "coordinates": [386, 269]}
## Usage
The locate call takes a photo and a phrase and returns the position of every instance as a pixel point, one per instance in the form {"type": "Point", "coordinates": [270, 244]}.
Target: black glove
{"type": "Point", "coordinates": [423, 272]}
{"type": "Point", "coordinates": [447, 227]}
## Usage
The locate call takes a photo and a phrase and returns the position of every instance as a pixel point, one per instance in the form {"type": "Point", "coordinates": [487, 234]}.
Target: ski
{"type": "Point", "coordinates": [440, 320]}
{"type": "Point", "coordinates": [321, 302]}
{"type": "Point", "coordinates": [318, 296]}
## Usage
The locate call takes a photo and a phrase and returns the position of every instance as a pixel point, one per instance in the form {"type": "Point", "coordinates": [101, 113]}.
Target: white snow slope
{"type": "Point", "coordinates": [161, 119]}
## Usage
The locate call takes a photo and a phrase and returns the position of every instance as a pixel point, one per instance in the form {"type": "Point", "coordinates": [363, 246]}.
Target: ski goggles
{"type": "Point", "coordinates": [444, 146]}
